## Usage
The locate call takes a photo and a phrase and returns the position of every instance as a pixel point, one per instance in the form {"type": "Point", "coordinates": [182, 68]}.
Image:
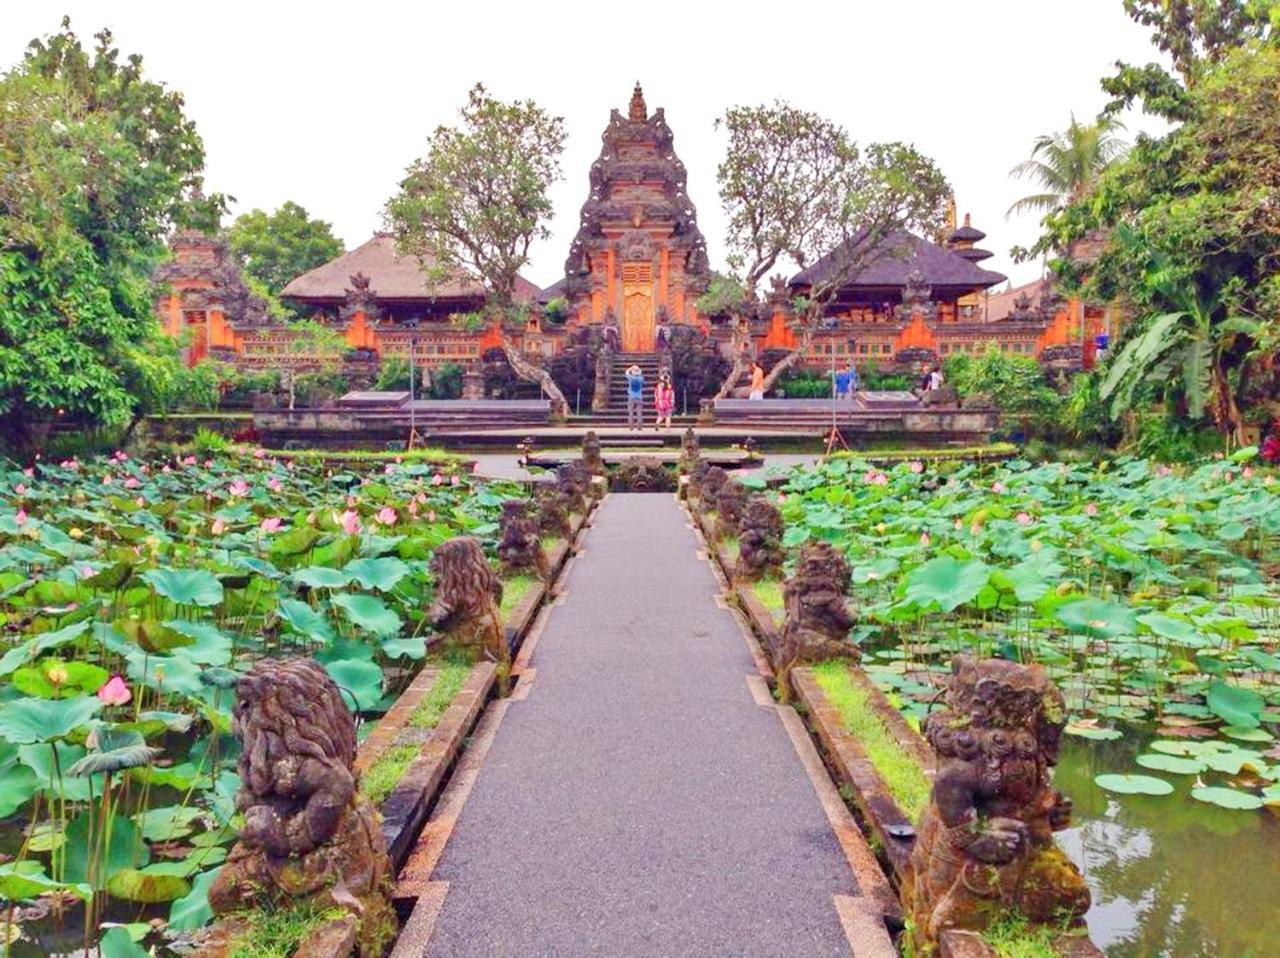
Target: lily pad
{"type": "Point", "coordinates": [1227, 798]}
{"type": "Point", "coordinates": [185, 586]}
{"type": "Point", "coordinates": [1133, 784]}
{"type": "Point", "coordinates": [1171, 763]}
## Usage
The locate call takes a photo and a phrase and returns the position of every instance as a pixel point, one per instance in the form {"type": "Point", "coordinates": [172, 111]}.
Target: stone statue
{"type": "Point", "coordinates": [697, 475]}
{"type": "Point", "coordinates": [468, 597]}
{"type": "Point", "coordinates": [308, 834]}
{"type": "Point", "coordinates": [759, 540]}
{"type": "Point", "coordinates": [985, 843]}
{"type": "Point", "coordinates": [690, 450]}
{"type": "Point", "coordinates": [574, 481]}
{"type": "Point", "coordinates": [731, 500]}
{"type": "Point", "coordinates": [643, 474]}
{"type": "Point", "coordinates": [553, 513]}
{"type": "Point", "coordinates": [520, 546]}
{"type": "Point", "coordinates": [712, 480]}
{"type": "Point", "coordinates": [591, 456]}
{"type": "Point", "coordinates": [817, 614]}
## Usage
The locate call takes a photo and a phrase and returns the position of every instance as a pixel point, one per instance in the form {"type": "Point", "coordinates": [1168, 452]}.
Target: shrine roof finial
{"type": "Point", "coordinates": [638, 110]}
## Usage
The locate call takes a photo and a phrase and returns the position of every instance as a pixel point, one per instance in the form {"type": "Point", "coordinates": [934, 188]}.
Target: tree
{"type": "Point", "coordinates": [274, 248]}
{"type": "Point", "coordinates": [478, 199]}
{"type": "Point", "coordinates": [97, 163]}
{"type": "Point", "coordinates": [1192, 226]}
{"type": "Point", "coordinates": [794, 188]}
{"type": "Point", "coordinates": [1066, 165]}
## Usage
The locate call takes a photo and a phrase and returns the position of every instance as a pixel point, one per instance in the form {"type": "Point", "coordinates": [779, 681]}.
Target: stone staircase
{"type": "Point", "coordinates": [616, 413]}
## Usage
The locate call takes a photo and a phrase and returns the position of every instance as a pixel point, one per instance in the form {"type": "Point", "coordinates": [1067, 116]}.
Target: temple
{"type": "Point", "coordinates": [637, 261]}
{"type": "Point", "coordinates": [638, 255]}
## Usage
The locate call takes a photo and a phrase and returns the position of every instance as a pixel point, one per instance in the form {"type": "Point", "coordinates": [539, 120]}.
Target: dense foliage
{"type": "Point", "coordinates": [132, 594]}
{"type": "Point", "coordinates": [96, 163]}
{"type": "Point", "coordinates": [1184, 232]}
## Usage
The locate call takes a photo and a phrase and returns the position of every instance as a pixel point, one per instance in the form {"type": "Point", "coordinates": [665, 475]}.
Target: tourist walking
{"type": "Point", "coordinates": [635, 397]}
{"type": "Point", "coordinates": [664, 400]}
{"type": "Point", "coordinates": [757, 382]}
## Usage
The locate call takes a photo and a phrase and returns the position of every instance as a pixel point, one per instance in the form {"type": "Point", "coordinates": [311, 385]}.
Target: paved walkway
{"type": "Point", "coordinates": [640, 801]}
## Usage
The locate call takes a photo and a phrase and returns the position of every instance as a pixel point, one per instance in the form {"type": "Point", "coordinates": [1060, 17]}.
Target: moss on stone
{"type": "Point", "coordinates": [902, 775]}
{"type": "Point", "coordinates": [277, 932]}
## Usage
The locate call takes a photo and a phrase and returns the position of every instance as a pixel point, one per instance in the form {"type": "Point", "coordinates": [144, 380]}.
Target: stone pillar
{"type": "Point", "coordinates": [473, 382]}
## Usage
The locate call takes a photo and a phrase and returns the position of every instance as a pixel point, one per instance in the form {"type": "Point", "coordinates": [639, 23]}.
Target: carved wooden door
{"type": "Point", "coordinates": [637, 308]}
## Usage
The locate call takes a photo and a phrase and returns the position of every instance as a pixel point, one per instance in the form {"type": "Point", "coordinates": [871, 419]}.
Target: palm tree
{"type": "Point", "coordinates": [1066, 165]}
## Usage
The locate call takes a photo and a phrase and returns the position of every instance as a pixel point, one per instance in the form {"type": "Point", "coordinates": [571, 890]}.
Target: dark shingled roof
{"type": "Point", "coordinates": [391, 277]}
{"type": "Point", "coordinates": [902, 253]}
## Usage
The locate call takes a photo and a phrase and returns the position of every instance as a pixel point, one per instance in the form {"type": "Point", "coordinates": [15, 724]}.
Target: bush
{"type": "Point", "coordinates": [315, 388]}
{"type": "Point", "coordinates": [446, 382]}
{"type": "Point", "coordinates": [805, 385]}
{"type": "Point", "coordinates": [1014, 383]}
{"type": "Point", "coordinates": [239, 385]}
{"type": "Point", "coordinates": [556, 312]}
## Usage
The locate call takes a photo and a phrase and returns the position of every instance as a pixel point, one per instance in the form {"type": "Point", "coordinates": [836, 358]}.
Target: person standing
{"type": "Point", "coordinates": [635, 397]}
{"type": "Point", "coordinates": [757, 382]}
{"type": "Point", "coordinates": [664, 401]}
{"type": "Point", "coordinates": [935, 378]}
{"type": "Point", "coordinates": [846, 381]}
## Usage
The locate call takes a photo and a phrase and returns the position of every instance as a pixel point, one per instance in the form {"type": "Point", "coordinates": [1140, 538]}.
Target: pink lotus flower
{"type": "Point", "coordinates": [455, 481]}
{"type": "Point", "coordinates": [997, 487]}
{"type": "Point", "coordinates": [351, 501]}
{"type": "Point", "coordinates": [413, 508]}
{"type": "Point", "coordinates": [957, 525]}
{"type": "Point", "coordinates": [29, 472]}
{"type": "Point", "coordinates": [140, 502]}
{"type": "Point", "coordinates": [437, 480]}
{"type": "Point", "coordinates": [917, 466]}
{"type": "Point", "coordinates": [924, 539]}
{"type": "Point", "coordinates": [311, 518]}
{"type": "Point", "coordinates": [274, 484]}
{"type": "Point", "coordinates": [389, 469]}
{"type": "Point", "coordinates": [144, 468]}
{"type": "Point", "coordinates": [166, 468]}
{"type": "Point", "coordinates": [1246, 472]}
{"type": "Point", "coordinates": [271, 524]}
{"type": "Point", "coordinates": [431, 516]}
{"type": "Point", "coordinates": [218, 527]}
{"type": "Point", "coordinates": [189, 461]}
{"type": "Point", "coordinates": [115, 692]}
{"type": "Point", "coordinates": [1164, 471]}
{"type": "Point", "coordinates": [259, 453]}
{"type": "Point", "coordinates": [1217, 455]}
{"type": "Point", "coordinates": [386, 516]}
{"type": "Point", "coordinates": [782, 497]}
{"type": "Point", "coordinates": [84, 570]}
{"type": "Point", "coordinates": [1023, 518]}
{"type": "Point", "coordinates": [20, 489]}
{"type": "Point", "coordinates": [21, 517]}
{"type": "Point", "coordinates": [132, 483]}
{"type": "Point", "coordinates": [106, 480]}
{"type": "Point", "coordinates": [1090, 509]}
{"type": "Point", "coordinates": [120, 455]}
{"type": "Point", "coordinates": [421, 498]}
{"type": "Point", "coordinates": [350, 522]}
{"type": "Point", "coordinates": [238, 488]}
{"type": "Point", "coordinates": [475, 468]}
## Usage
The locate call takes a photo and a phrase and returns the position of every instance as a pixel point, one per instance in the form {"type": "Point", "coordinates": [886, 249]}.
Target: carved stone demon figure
{"type": "Point", "coordinates": [731, 501]}
{"type": "Point", "coordinates": [712, 480]}
{"type": "Point", "coordinates": [759, 540]}
{"type": "Point", "coordinates": [643, 474]}
{"type": "Point", "coordinates": [553, 513]}
{"type": "Point", "coordinates": [574, 480]}
{"type": "Point", "coordinates": [985, 844]}
{"type": "Point", "coordinates": [307, 829]}
{"type": "Point", "coordinates": [591, 456]}
{"type": "Point", "coordinates": [817, 614]}
{"type": "Point", "coordinates": [520, 547]}
{"type": "Point", "coordinates": [468, 596]}
{"type": "Point", "coordinates": [690, 450]}
{"type": "Point", "coordinates": [697, 475]}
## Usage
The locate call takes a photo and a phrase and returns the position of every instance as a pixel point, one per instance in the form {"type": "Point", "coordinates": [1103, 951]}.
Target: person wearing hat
{"type": "Point", "coordinates": [635, 397]}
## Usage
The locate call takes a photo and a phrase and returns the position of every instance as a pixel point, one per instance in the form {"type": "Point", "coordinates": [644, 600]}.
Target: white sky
{"type": "Point", "coordinates": [327, 104]}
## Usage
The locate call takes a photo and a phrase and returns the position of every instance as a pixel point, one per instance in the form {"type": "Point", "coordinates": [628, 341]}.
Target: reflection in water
{"type": "Point", "coordinates": [1170, 876]}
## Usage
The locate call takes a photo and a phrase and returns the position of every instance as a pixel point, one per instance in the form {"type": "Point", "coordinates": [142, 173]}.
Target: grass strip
{"type": "Point", "coordinates": [513, 591]}
{"type": "Point", "coordinates": [278, 932]}
{"type": "Point", "coordinates": [904, 778]}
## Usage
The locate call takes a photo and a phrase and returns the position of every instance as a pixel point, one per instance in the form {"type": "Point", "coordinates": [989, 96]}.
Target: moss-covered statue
{"type": "Point", "coordinates": [690, 451]}
{"type": "Point", "coordinates": [818, 619]}
{"type": "Point", "coordinates": [553, 513]}
{"type": "Point", "coordinates": [574, 480]}
{"type": "Point", "coordinates": [731, 502]}
{"type": "Point", "coordinates": [309, 836]}
{"type": "Point", "coordinates": [759, 540]}
{"type": "Point", "coordinates": [592, 458]}
{"type": "Point", "coordinates": [709, 488]}
{"type": "Point", "coordinates": [985, 845]}
{"type": "Point", "coordinates": [643, 474]}
{"type": "Point", "coordinates": [468, 597]}
{"type": "Point", "coordinates": [520, 546]}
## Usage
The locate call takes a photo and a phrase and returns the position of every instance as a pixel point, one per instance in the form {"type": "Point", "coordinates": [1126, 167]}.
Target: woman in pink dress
{"type": "Point", "coordinates": [664, 400]}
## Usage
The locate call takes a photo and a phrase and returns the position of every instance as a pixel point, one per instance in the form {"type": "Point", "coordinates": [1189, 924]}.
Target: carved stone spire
{"type": "Point", "coordinates": [638, 110]}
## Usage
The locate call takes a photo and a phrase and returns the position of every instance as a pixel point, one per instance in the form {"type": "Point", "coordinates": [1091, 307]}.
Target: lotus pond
{"type": "Point", "coordinates": [131, 596]}
{"type": "Point", "coordinates": [1150, 594]}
